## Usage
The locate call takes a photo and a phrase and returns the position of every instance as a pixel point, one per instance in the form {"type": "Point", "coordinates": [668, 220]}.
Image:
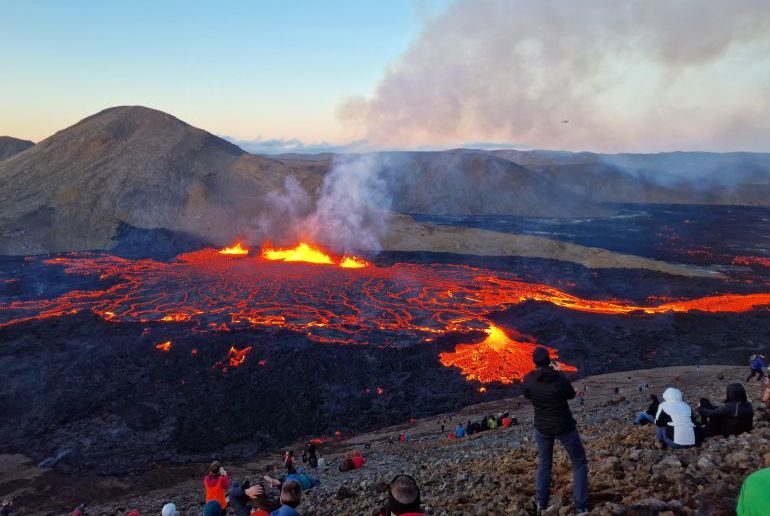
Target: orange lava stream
{"type": "Point", "coordinates": [397, 305]}
{"type": "Point", "coordinates": [308, 253]}
{"type": "Point", "coordinates": [498, 358]}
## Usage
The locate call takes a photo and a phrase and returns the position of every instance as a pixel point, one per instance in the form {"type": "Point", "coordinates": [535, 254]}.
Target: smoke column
{"type": "Point", "coordinates": [638, 75]}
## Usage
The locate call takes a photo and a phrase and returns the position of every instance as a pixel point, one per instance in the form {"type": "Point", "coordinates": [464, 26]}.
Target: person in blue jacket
{"type": "Point", "coordinates": [459, 431]}
{"type": "Point", "coordinates": [758, 362]}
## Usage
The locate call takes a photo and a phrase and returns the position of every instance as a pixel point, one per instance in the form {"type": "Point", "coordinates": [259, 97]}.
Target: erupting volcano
{"type": "Point", "coordinates": [308, 253]}
{"type": "Point", "coordinates": [398, 305]}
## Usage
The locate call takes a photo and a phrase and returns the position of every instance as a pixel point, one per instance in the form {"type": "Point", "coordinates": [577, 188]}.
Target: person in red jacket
{"type": "Point", "coordinates": [403, 498]}
{"type": "Point", "coordinates": [358, 460]}
{"type": "Point", "coordinates": [216, 483]}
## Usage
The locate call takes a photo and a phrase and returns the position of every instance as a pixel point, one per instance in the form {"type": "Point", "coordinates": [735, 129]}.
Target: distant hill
{"type": "Point", "coordinates": [10, 146]}
{"type": "Point", "coordinates": [133, 165]}
{"type": "Point", "coordinates": [666, 177]}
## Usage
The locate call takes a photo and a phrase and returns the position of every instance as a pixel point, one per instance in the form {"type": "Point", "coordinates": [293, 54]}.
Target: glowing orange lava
{"type": "Point", "coordinates": [353, 262]}
{"type": "Point", "coordinates": [235, 249]}
{"type": "Point", "coordinates": [308, 253]}
{"type": "Point", "coordinates": [164, 346]}
{"type": "Point", "coordinates": [301, 253]}
{"type": "Point", "coordinates": [497, 358]}
{"type": "Point", "coordinates": [399, 305]}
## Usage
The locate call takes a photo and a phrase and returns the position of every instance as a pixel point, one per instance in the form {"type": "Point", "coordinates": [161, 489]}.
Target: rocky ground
{"type": "Point", "coordinates": [493, 472]}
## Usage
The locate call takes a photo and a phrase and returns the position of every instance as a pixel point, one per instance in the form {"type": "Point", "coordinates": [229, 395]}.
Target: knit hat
{"type": "Point", "coordinates": [169, 510]}
{"type": "Point", "coordinates": [541, 357]}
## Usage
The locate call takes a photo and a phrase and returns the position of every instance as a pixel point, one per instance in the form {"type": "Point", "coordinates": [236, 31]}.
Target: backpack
{"type": "Point", "coordinates": [305, 481]}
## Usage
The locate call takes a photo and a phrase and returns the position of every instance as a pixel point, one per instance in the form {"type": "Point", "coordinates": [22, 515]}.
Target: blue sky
{"type": "Point", "coordinates": [247, 69]}
{"type": "Point", "coordinates": [654, 75]}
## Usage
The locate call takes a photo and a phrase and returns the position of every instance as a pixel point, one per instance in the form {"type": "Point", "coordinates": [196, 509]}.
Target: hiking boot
{"type": "Point", "coordinates": [581, 510]}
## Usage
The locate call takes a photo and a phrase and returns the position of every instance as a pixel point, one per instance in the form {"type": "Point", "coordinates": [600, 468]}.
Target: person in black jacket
{"type": "Point", "coordinates": [735, 417]}
{"type": "Point", "coordinates": [648, 416]}
{"type": "Point", "coordinates": [549, 390]}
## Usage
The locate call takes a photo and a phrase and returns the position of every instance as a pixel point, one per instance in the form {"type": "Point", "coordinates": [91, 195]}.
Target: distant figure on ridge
{"type": "Point", "coordinates": [216, 482]}
{"type": "Point", "coordinates": [549, 390]}
{"type": "Point", "coordinates": [459, 431]}
{"type": "Point", "coordinates": [288, 461]}
{"type": "Point", "coordinates": [674, 421]}
{"type": "Point", "coordinates": [403, 498]}
{"type": "Point", "coordinates": [649, 415]}
{"type": "Point", "coordinates": [758, 362]}
{"type": "Point", "coordinates": [735, 417]}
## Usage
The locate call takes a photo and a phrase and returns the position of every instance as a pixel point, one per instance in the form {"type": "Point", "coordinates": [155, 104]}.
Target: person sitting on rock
{"type": "Point", "coordinates": [347, 463]}
{"type": "Point", "coordinates": [240, 503]}
{"type": "Point", "coordinates": [506, 421]}
{"type": "Point", "coordinates": [649, 416]}
{"type": "Point", "coordinates": [216, 482]}
{"type": "Point", "coordinates": [492, 423]}
{"type": "Point", "coordinates": [358, 460]}
{"type": "Point", "coordinates": [291, 496]}
{"type": "Point", "coordinates": [735, 417]}
{"type": "Point", "coordinates": [459, 431]}
{"type": "Point", "coordinates": [403, 498]}
{"type": "Point", "coordinates": [468, 428]}
{"type": "Point", "coordinates": [766, 393]}
{"type": "Point", "coordinates": [674, 420]}
{"type": "Point", "coordinates": [549, 390]}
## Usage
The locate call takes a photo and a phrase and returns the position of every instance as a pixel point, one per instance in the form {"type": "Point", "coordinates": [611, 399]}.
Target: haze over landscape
{"type": "Point", "coordinates": [231, 228]}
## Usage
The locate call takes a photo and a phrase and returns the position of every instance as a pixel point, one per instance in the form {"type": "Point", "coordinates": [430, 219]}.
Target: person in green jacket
{"type": "Point", "coordinates": [755, 494]}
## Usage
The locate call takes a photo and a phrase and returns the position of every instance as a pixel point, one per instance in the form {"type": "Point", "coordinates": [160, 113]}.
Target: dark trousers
{"type": "Point", "coordinates": [757, 372]}
{"type": "Point", "coordinates": [573, 445]}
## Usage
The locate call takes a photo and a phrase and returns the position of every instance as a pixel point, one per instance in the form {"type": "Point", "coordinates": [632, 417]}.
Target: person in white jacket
{"type": "Point", "coordinates": [674, 421]}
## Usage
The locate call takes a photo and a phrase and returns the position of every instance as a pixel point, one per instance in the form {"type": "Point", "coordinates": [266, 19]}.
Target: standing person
{"type": "Point", "coordinates": [756, 365]}
{"type": "Point", "coordinates": [216, 483]}
{"type": "Point", "coordinates": [549, 390]}
{"type": "Point", "coordinates": [288, 461]}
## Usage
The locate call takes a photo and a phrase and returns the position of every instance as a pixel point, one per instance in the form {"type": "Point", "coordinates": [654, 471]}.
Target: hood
{"type": "Point", "coordinates": [672, 394]}
{"type": "Point", "coordinates": [736, 392]}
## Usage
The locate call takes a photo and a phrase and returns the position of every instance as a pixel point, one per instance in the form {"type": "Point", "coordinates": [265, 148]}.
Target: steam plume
{"type": "Point", "coordinates": [637, 75]}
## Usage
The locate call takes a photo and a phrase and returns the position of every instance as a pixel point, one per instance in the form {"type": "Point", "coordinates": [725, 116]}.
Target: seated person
{"type": "Point", "coordinates": [403, 498]}
{"type": "Point", "coordinates": [674, 420]}
{"type": "Point", "coordinates": [358, 460]}
{"type": "Point", "coordinates": [735, 417]}
{"type": "Point", "coordinates": [649, 415]}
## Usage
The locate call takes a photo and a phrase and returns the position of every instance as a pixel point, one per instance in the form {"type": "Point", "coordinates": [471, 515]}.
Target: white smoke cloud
{"type": "Point", "coordinates": [352, 210]}
{"type": "Point", "coordinates": [637, 75]}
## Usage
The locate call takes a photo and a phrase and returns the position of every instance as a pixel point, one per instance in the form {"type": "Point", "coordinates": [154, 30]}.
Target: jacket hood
{"type": "Point", "coordinates": [736, 392]}
{"type": "Point", "coordinates": [672, 394]}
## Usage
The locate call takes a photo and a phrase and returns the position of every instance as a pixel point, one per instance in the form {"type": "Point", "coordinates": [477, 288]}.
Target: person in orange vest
{"type": "Point", "coordinates": [216, 483]}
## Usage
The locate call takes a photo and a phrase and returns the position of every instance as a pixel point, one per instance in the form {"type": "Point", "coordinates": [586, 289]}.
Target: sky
{"type": "Point", "coordinates": [601, 75]}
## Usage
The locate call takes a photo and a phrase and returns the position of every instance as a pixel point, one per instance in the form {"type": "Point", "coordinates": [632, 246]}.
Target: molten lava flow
{"type": "Point", "coordinates": [311, 254]}
{"type": "Point", "coordinates": [302, 253]}
{"type": "Point", "coordinates": [238, 356]}
{"type": "Point", "coordinates": [399, 305]}
{"type": "Point", "coordinates": [497, 358]}
{"type": "Point", "coordinates": [235, 249]}
{"type": "Point", "coordinates": [164, 346]}
{"type": "Point", "coordinates": [353, 262]}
